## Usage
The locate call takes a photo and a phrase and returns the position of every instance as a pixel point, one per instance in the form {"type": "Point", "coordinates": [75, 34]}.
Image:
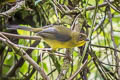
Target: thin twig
{"type": "Point", "coordinates": [43, 49]}
{"type": "Point", "coordinates": [113, 40]}
{"type": "Point", "coordinates": [104, 47]}
{"type": "Point", "coordinates": [108, 2]}
{"type": "Point", "coordinates": [65, 66]}
{"type": "Point", "coordinates": [109, 64]}
{"type": "Point", "coordinates": [26, 47]}
{"type": "Point", "coordinates": [78, 71]}
{"type": "Point", "coordinates": [87, 9]}
{"type": "Point", "coordinates": [21, 36]}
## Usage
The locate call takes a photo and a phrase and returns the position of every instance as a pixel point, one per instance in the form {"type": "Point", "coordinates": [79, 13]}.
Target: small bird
{"type": "Point", "coordinates": [58, 36]}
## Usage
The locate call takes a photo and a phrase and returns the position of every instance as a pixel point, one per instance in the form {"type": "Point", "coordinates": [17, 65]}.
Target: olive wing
{"type": "Point", "coordinates": [54, 34]}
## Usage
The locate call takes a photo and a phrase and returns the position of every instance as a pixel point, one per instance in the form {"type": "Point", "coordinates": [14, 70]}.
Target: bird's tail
{"type": "Point", "coordinates": [15, 27]}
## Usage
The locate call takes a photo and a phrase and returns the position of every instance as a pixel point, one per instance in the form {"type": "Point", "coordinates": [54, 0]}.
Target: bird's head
{"type": "Point", "coordinates": [80, 39]}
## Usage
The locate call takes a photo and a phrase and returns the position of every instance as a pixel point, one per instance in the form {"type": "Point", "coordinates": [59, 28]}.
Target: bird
{"type": "Point", "coordinates": [58, 36]}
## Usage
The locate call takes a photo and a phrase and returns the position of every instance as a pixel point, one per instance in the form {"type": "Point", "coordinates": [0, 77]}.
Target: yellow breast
{"type": "Point", "coordinates": [54, 44]}
{"type": "Point", "coordinates": [57, 44]}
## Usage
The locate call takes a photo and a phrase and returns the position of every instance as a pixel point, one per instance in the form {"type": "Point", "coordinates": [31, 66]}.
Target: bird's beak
{"type": "Point", "coordinates": [86, 39]}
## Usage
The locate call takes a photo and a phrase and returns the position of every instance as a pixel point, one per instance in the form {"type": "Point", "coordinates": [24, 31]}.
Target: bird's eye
{"type": "Point", "coordinates": [80, 36]}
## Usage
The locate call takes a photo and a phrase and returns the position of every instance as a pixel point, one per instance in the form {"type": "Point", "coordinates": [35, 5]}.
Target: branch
{"type": "Point", "coordinates": [78, 10]}
{"type": "Point", "coordinates": [21, 36]}
{"type": "Point", "coordinates": [112, 6]}
{"type": "Point", "coordinates": [21, 61]}
{"type": "Point", "coordinates": [48, 50]}
{"type": "Point", "coordinates": [66, 65]}
{"type": "Point", "coordinates": [22, 53]}
{"type": "Point", "coordinates": [13, 10]}
{"type": "Point", "coordinates": [30, 38]}
{"type": "Point", "coordinates": [105, 47]}
{"type": "Point", "coordinates": [113, 40]}
{"type": "Point", "coordinates": [78, 71]}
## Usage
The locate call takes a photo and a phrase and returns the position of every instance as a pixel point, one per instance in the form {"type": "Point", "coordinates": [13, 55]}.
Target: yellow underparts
{"type": "Point", "coordinates": [54, 44]}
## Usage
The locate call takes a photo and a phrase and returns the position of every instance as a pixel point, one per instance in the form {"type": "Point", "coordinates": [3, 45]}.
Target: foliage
{"type": "Point", "coordinates": [99, 59]}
